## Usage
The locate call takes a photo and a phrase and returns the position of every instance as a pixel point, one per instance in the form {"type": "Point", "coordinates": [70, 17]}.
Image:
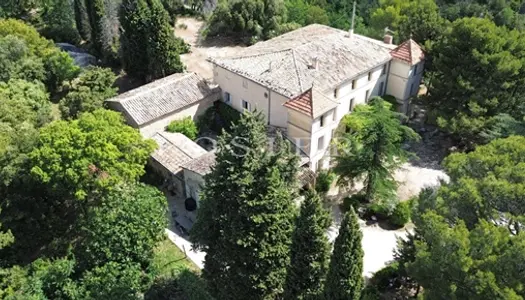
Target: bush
{"type": "Point", "coordinates": [324, 181]}
{"type": "Point", "coordinates": [392, 100]}
{"type": "Point", "coordinates": [353, 202]}
{"type": "Point", "coordinates": [401, 214]}
{"type": "Point", "coordinates": [371, 293]}
{"type": "Point", "coordinates": [381, 211]}
{"type": "Point", "coordinates": [218, 117]}
{"type": "Point", "coordinates": [185, 126]}
{"type": "Point", "coordinates": [386, 278]}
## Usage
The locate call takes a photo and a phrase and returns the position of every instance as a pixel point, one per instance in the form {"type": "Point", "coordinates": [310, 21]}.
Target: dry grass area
{"type": "Point", "coordinates": [189, 29]}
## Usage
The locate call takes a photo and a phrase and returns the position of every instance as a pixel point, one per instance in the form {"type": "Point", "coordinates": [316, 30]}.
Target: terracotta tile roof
{"type": "Point", "coordinates": [409, 51]}
{"type": "Point", "coordinates": [286, 64]}
{"type": "Point", "coordinates": [312, 103]}
{"type": "Point", "coordinates": [164, 96]}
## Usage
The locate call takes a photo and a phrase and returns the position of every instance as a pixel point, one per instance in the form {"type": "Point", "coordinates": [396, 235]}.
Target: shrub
{"type": "Point", "coordinates": [218, 117]}
{"type": "Point", "coordinates": [380, 210]}
{"type": "Point", "coordinates": [386, 278]}
{"type": "Point", "coordinates": [324, 181]}
{"type": "Point", "coordinates": [185, 126]}
{"type": "Point", "coordinates": [371, 293]}
{"type": "Point", "coordinates": [353, 201]}
{"type": "Point", "coordinates": [392, 100]}
{"type": "Point", "coordinates": [401, 214]}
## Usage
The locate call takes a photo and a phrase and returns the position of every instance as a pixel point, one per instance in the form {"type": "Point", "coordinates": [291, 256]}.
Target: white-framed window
{"type": "Point", "coordinates": [320, 143]}
{"type": "Point", "coordinates": [321, 121]}
{"type": "Point", "coordinates": [369, 76]}
{"type": "Point", "coordinates": [353, 84]}
{"type": "Point", "coordinates": [245, 83]}
{"type": "Point", "coordinates": [351, 108]}
{"type": "Point", "coordinates": [245, 105]}
{"type": "Point", "coordinates": [335, 93]}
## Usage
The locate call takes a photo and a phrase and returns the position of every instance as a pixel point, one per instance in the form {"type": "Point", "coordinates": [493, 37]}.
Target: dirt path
{"type": "Point", "coordinates": [190, 29]}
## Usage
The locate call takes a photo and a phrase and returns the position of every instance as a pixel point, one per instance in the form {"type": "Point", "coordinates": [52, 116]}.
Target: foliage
{"type": "Point", "coordinates": [304, 13]}
{"type": "Point", "coordinates": [457, 263]}
{"type": "Point", "coordinates": [185, 126]}
{"type": "Point", "coordinates": [107, 236]}
{"type": "Point", "coordinates": [419, 20]}
{"type": "Point", "coordinates": [249, 20]}
{"type": "Point", "coordinates": [6, 237]}
{"type": "Point", "coordinates": [22, 101]}
{"type": "Point", "coordinates": [16, 61]}
{"type": "Point", "coordinates": [149, 49]}
{"type": "Point", "coordinates": [353, 202]}
{"type": "Point", "coordinates": [187, 285]}
{"type": "Point", "coordinates": [386, 278]}
{"type": "Point", "coordinates": [58, 66]}
{"type": "Point", "coordinates": [310, 251]}
{"type": "Point", "coordinates": [501, 126]}
{"type": "Point", "coordinates": [82, 19]}
{"type": "Point", "coordinates": [401, 214]}
{"type": "Point", "coordinates": [461, 94]}
{"type": "Point", "coordinates": [88, 92]}
{"type": "Point", "coordinates": [95, 151]}
{"type": "Point", "coordinates": [245, 218]}
{"type": "Point", "coordinates": [324, 181]}
{"type": "Point", "coordinates": [114, 281]}
{"type": "Point", "coordinates": [218, 117]}
{"type": "Point", "coordinates": [58, 22]}
{"type": "Point", "coordinates": [373, 150]}
{"type": "Point", "coordinates": [345, 275]}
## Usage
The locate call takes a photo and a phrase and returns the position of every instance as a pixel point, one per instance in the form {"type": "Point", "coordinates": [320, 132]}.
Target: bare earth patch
{"type": "Point", "coordinates": [189, 29]}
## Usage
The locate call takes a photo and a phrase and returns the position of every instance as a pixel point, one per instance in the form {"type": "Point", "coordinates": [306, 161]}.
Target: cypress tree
{"type": "Point", "coordinates": [345, 275]}
{"type": "Point", "coordinates": [310, 251]}
{"type": "Point", "coordinates": [149, 47]}
{"type": "Point", "coordinates": [82, 19]}
{"type": "Point", "coordinates": [95, 11]}
{"type": "Point", "coordinates": [134, 19]}
{"type": "Point", "coordinates": [162, 45]}
{"type": "Point", "coordinates": [245, 218]}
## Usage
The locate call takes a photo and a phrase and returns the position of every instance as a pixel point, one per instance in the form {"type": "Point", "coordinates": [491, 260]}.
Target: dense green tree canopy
{"type": "Point", "coordinates": [245, 218]}
{"type": "Point", "coordinates": [372, 150]}
{"type": "Point", "coordinates": [95, 151]}
{"type": "Point", "coordinates": [88, 92]}
{"type": "Point", "coordinates": [16, 61]}
{"type": "Point", "coordinates": [310, 250]}
{"type": "Point", "coordinates": [478, 73]}
{"type": "Point", "coordinates": [23, 101]}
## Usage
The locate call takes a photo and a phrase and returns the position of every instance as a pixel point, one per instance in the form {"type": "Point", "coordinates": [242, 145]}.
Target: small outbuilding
{"type": "Point", "coordinates": [151, 107]}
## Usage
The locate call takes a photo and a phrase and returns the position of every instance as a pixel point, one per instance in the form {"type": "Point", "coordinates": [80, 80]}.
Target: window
{"type": "Point", "coordinates": [245, 83]}
{"type": "Point", "coordinates": [369, 76]}
{"type": "Point", "coordinates": [367, 95]}
{"type": "Point", "coordinates": [351, 104]}
{"type": "Point", "coordinates": [321, 121]}
{"type": "Point", "coordinates": [335, 93]}
{"type": "Point", "coordinates": [245, 105]}
{"type": "Point", "coordinates": [353, 84]}
{"type": "Point", "coordinates": [415, 70]}
{"type": "Point", "coordinates": [227, 97]}
{"type": "Point", "coordinates": [334, 115]}
{"type": "Point", "coordinates": [320, 143]}
{"type": "Point", "coordinates": [381, 86]}
{"type": "Point", "coordinates": [383, 72]}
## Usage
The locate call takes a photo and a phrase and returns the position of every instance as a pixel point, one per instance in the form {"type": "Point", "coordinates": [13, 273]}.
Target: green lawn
{"type": "Point", "coordinates": [176, 276]}
{"type": "Point", "coordinates": [169, 260]}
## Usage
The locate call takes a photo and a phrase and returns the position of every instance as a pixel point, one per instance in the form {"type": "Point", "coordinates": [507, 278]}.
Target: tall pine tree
{"type": "Point", "coordinates": [345, 276]}
{"type": "Point", "coordinates": [245, 219]}
{"type": "Point", "coordinates": [310, 251]}
{"type": "Point", "coordinates": [95, 12]}
{"type": "Point", "coordinates": [149, 47]}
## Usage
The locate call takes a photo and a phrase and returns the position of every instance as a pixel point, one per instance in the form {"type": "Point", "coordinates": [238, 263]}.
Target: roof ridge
{"type": "Point", "coordinates": [143, 90]}
{"type": "Point", "coordinates": [296, 70]}
{"type": "Point", "coordinates": [256, 55]}
{"type": "Point", "coordinates": [174, 144]}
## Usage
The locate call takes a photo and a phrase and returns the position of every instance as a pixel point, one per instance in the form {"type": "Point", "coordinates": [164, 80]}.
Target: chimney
{"type": "Point", "coordinates": [387, 39]}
